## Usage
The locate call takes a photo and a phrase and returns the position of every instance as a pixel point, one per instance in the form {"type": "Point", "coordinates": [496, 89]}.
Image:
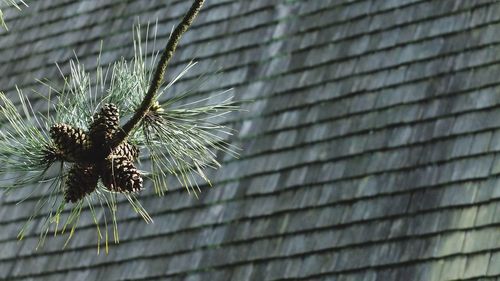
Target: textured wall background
{"type": "Point", "coordinates": [370, 151]}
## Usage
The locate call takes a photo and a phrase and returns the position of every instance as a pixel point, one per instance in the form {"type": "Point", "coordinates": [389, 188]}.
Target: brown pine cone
{"type": "Point", "coordinates": [128, 150]}
{"type": "Point", "coordinates": [105, 125]}
{"type": "Point", "coordinates": [120, 175]}
{"type": "Point", "coordinates": [72, 142]}
{"type": "Point", "coordinates": [81, 181]}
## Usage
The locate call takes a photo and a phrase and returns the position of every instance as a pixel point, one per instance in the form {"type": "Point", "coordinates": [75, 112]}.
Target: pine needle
{"type": "Point", "coordinates": [14, 4]}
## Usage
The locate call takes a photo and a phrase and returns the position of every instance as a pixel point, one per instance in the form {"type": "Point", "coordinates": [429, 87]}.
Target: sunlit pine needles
{"type": "Point", "coordinates": [12, 3]}
{"type": "Point", "coordinates": [183, 141]}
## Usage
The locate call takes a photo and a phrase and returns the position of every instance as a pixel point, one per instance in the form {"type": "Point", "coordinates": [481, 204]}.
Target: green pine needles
{"type": "Point", "coordinates": [12, 3]}
{"type": "Point", "coordinates": [82, 156]}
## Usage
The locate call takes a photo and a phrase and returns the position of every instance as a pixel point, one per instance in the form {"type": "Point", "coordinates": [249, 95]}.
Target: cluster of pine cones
{"type": "Point", "coordinates": [93, 156]}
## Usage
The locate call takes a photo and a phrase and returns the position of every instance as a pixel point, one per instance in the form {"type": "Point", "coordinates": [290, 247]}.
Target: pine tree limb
{"type": "Point", "coordinates": [157, 80]}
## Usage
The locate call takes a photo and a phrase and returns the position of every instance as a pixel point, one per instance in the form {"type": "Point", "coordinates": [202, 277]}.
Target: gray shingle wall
{"type": "Point", "coordinates": [370, 150]}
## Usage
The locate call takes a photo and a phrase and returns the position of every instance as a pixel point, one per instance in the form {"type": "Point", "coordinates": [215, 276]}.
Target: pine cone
{"type": "Point", "coordinates": [81, 180]}
{"type": "Point", "coordinates": [128, 150]}
{"type": "Point", "coordinates": [105, 125]}
{"type": "Point", "coordinates": [120, 175]}
{"type": "Point", "coordinates": [72, 142]}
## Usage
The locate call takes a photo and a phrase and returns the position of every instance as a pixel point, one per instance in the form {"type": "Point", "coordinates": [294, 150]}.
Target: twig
{"type": "Point", "coordinates": [155, 85]}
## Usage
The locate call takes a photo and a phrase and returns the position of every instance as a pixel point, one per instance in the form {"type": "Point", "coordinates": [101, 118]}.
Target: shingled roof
{"type": "Point", "coordinates": [370, 147]}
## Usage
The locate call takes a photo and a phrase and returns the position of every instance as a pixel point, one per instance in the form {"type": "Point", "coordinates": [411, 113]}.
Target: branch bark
{"type": "Point", "coordinates": [157, 80]}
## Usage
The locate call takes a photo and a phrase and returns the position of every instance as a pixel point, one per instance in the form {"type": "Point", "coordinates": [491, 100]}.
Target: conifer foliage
{"type": "Point", "coordinates": [86, 156]}
{"type": "Point", "coordinates": [11, 3]}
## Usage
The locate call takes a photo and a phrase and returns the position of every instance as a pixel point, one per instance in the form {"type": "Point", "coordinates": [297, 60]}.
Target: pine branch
{"type": "Point", "coordinates": [98, 158]}
{"type": "Point", "coordinates": [156, 83]}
